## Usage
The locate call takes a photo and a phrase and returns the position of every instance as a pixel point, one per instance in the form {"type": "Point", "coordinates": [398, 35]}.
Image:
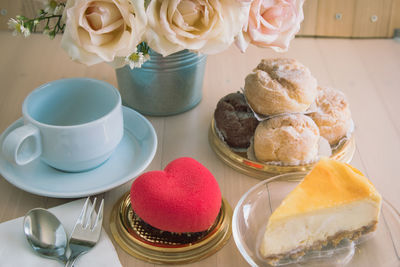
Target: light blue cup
{"type": "Point", "coordinates": [72, 124]}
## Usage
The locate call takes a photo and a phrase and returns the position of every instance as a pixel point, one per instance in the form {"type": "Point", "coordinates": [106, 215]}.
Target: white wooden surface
{"type": "Point", "coordinates": [368, 71]}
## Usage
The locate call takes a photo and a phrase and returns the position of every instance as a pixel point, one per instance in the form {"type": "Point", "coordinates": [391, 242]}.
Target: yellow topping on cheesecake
{"type": "Point", "coordinates": [330, 183]}
{"type": "Point", "coordinates": [334, 201]}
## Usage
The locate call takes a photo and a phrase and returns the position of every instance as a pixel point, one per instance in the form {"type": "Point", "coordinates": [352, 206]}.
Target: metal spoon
{"type": "Point", "coordinates": [46, 234]}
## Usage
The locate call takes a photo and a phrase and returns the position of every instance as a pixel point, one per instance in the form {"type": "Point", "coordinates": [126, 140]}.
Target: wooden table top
{"type": "Point", "coordinates": [366, 70]}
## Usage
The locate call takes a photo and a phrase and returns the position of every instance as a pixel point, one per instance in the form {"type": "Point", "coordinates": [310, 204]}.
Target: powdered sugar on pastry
{"type": "Point", "coordinates": [280, 85]}
{"type": "Point", "coordinates": [290, 139]}
{"type": "Point", "coordinates": [332, 116]}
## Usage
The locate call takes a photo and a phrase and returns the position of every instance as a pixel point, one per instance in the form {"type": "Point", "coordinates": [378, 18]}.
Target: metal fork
{"type": "Point", "coordinates": [86, 231]}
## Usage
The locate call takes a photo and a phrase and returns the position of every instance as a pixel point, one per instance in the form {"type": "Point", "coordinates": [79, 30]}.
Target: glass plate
{"type": "Point", "coordinates": [239, 161]}
{"type": "Point", "coordinates": [380, 248]}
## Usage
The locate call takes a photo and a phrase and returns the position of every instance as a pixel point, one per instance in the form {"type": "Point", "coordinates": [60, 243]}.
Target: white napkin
{"type": "Point", "coordinates": [16, 251]}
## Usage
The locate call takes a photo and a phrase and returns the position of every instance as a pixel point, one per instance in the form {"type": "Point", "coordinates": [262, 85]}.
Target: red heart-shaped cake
{"type": "Point", "coordinates": [185, 197]}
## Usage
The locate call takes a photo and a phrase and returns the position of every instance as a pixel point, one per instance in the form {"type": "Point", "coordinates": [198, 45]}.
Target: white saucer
{"type": "Point", "coordinates": [131, 157]}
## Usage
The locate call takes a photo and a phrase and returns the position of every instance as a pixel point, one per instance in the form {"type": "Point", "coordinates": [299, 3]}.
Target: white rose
{"type": "Point", "coordinates": [103, 30]}
{"type": "Point", "coordinates": [204, 26]}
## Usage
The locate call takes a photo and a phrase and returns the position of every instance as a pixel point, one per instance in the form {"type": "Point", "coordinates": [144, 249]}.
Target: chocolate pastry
{"type": "Point", "coordinates": [235, 121]}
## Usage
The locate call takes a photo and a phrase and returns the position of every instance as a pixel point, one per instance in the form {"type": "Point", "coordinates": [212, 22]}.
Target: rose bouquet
{"type": "Point", "coordinates": [121, 32]}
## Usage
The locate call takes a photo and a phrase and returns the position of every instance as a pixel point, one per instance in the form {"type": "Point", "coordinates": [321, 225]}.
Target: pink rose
{"type": "Point", "coordinates": [272, 23]}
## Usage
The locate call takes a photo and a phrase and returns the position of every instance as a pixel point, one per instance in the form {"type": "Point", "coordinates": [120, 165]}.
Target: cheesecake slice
{"type": "Point", "coordinates": [334, 201]}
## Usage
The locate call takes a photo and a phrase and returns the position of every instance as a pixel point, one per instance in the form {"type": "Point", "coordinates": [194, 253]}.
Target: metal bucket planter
{"type": "Point", "coordinates": [163, 85]}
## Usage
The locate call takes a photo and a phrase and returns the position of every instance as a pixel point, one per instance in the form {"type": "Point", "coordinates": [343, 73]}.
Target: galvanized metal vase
{"type": "Point", "coordinates": [163, 85]}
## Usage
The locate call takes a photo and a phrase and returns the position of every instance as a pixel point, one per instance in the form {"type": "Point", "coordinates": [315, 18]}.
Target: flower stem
{"type": "Point", "coordinates": [26, 26]}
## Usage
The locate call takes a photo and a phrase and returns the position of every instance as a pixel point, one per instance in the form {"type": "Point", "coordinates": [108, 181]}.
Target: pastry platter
{"type": "Point", "coordinates": [261, 170]}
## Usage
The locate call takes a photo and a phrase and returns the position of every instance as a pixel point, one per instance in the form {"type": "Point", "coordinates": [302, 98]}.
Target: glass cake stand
{"type": "Point", "coordinates": [261, 170]}
{"type": "Point", "coordinates": [250, 217]}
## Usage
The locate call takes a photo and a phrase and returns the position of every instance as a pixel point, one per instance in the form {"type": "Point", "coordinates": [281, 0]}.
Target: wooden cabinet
{"type": "Point", "coordinates": [310, 9]}
{"type": "Point", "coordinates": [395, 17]}
{"type": "Point", "coordinates": [373, 19]}
{"type": "Point", "coordinates": [351, 18]}
{"type": "Point", "coordinates": [335, 18]}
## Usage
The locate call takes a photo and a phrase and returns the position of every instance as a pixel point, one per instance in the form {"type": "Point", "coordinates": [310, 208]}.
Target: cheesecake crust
{"type": "Point", "coordinates": [317, 245]}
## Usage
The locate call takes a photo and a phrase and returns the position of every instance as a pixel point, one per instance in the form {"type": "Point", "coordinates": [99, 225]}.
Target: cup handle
{"type": "Point", "coordinates": [22, 145]}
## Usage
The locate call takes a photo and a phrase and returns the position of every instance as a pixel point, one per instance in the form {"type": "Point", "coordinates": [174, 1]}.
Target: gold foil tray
{"type": "Point", "coordinates": [260, 170]}
{"type": "Point", "coordinates": [139, 240]}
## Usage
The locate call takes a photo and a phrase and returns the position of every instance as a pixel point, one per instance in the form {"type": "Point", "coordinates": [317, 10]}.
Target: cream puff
{"type": "Point", "coordinates": [280, 85]}
{"type": "Point", "coordinates": [288, 139]}
{"type": "Point", "coordinates": [332, 115]}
